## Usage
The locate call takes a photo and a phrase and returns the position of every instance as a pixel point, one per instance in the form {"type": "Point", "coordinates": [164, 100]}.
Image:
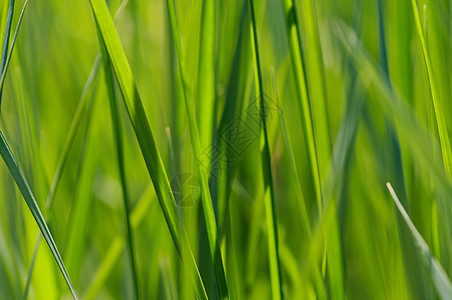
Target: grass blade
{"type": "Point", "coordinates": [9, 22]}
{"type": "Point", "coordinates": [109, 78]}
{"type": "Point", "coordinates": [209, 215]}
{"type": "Point", "coordinates": [143, 132]}
{"type": "Point", "coordinates": [24, 188]}
{"type": "Point", "coordinates": [269, 195]}
{"type": "Point", "coordinates": [435, 271]}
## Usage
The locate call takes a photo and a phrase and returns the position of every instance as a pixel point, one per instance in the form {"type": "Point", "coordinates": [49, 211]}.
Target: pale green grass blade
{"type": "Point", "coordinates": [434, 269]}
{"type": "Point", "coordinates": [440, 118]}
{"type": "Point", "coordinates": [269, 195]}
{"type": "Point", "coordinates": [207, 205]}
{"type": "Point", "coordinates": [143, 132]}
{"type": "Point", "coordinates": [109, 78]}
{"type": "Point", "coordinates": [22, 184]}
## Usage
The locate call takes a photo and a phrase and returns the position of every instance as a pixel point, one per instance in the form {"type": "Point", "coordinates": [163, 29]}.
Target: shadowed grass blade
{"type": "Point", "coordinates": [435, 271]}
{"type": "Point", "coordinates": [143, 133]}
{"type": "Point", "coordinates": [9, 22]}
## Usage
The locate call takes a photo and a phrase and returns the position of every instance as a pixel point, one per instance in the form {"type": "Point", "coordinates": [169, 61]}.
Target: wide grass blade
{"type": "Point", "coordinates": [432, 266]}
{"type": "Point", "coordinates": [143, 132]}
{"type": "Point", "coordinates": [269, 194]}
{"type": "Point", "coordinates": [209, 215]}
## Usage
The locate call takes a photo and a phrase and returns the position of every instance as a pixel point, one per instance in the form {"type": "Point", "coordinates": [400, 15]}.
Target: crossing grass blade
{"type": "Point", "coordinates": [207, 205]}
{"type": "Point", "coordinates": [143, 132]}
{"type": "Point", "coordinates": [269, 194]}
{"type": "Point", "coordinates": [433, 268]}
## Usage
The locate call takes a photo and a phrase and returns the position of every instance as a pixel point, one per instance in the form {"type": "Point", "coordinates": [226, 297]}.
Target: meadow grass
{"type": "Point", "coordinates": [250, 149]}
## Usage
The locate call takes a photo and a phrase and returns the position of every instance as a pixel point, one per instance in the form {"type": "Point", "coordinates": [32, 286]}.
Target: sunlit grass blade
{"type": "Point", "coordinates": [143, 133]}
{"type": "Point", "coordinates": [434, 269]}
{"type": "Point", "coordinates": [440, 119]}
{"type": "Point", "coordinates": [269, 194]}
{"type": "Point", "coordinates": [207, 205]}
{"type": "Point", "coordinates": [109, 78]}
{"type": "Point", "coordinates": [22, 184]}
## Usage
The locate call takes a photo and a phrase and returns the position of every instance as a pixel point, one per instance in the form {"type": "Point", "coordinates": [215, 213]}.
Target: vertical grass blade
{"type": "Point", "coordinates": [209, 215]}
{"type": "Point", "coordinates": [109, 78]}
{"type": "Point", "coordinates": [440, 120]}
{"type": "Point", "coordinates": [9, 22]}
{"type": "Point", "coordinates": [432, 266]}
{"type": "Point", "coordinates": [143, 132]}
{"type": "Point", "coordinates": [269, 195]}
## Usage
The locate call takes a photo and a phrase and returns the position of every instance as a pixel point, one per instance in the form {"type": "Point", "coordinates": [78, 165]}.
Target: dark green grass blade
{"type": "Point", "coordinates": [432, 266]}
{"type": "Point", "coordinates": [9, 22]}
{"type": "Point", "coordinates": [109, 78]}
{"type": "Point", "coordinates": [13, 42]}
{"type": "Point", "coordinates": [22, 184]}
{"type": "Point", "coordinates": [143, 133]}
{"type": "Point", "coordinates": [207, 205]}
{"type": "Point", "coordinates": [269, 195]}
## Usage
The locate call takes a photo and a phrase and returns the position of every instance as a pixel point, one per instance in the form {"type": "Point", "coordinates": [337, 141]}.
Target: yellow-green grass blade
{"type": "Point", "coordinates": [440, 118]}
{"type": "Point", "coordinates": [432, 266]}
{"type": "Point", "coordinates": [207, 205]}
{"type": "Point", "coordinates": [269, 195]}
{"type": "Point", "coordinates": [143, 133]}
{"type": "Point", "coordinates": [29, 198]}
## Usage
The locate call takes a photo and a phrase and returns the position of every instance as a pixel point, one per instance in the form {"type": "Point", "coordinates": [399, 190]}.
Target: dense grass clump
{"type": "Point", "coordinates": [250, 149]}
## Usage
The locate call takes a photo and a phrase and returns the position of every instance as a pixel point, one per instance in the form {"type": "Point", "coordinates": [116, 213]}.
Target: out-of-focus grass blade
{"type": "Point", "coordinates": [435, 271]}
{"type": "Point", "coordinates": [209, 215]}
{"type": "Point", "coordinates": [440, 121]}
{"type": "Point", "coordinates": [22, 184]}
{"type": "Point", "coordinates": [269, 195]}
{"type": "Point", "coordinates": [9, 22]}
{"type": "Point", "coordinates": [109, 78]}
{"type": "Point", "coordinates": [394, 158]}
{"type": "Point", "coordinates": [143, 133]}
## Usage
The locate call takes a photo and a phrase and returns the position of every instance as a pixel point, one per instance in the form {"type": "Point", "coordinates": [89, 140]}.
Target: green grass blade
{"type": "Point", "coordinates": [9, 22]}
{"type": "Point", "coordinates": [143, 132]}
{"type": "Point", "coordinates": [432, 266]}
{"type": "Point", "coordinates": [109, 78]}
{"type": "Point", "coordinates": [24, 188]}
{"type": "Point", "coordinates": [13, 42]}
{"type": "Point", "coordinates": [440, 119]}
{"type": "Point", "coordinates": [209, 215]}
{"type": "Point", "coordinates": [269, 195]}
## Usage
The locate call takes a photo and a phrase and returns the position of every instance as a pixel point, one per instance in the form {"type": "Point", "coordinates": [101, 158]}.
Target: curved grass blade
{"type": "Point", "coordinates": [144, 135]}
{"type": "Point", "coordinates": [435, 271]}
{"type": "Point", "coordinates": [9, 22]}
{"type": "Point", "coordinates": [109, 78]}
{"type": "Point", "coordinates": [24, 188]}
{"type": "Point", "coordinates": [269, 195]}
{"type": "Point", "coordinates": [209, 215]}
